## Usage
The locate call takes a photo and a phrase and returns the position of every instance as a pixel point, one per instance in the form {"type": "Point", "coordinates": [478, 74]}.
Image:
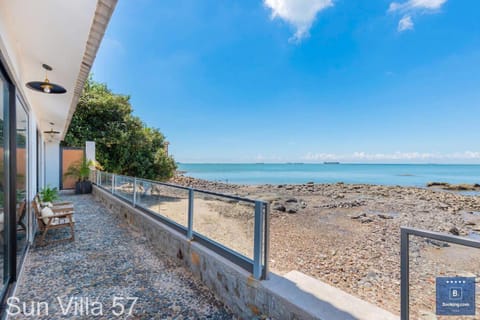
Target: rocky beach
{"type": "Point", "coordinates": [348, 235]}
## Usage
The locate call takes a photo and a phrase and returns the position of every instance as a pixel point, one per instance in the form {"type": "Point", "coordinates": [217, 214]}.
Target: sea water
{"type": "Point", "coordinates": [297, 173]}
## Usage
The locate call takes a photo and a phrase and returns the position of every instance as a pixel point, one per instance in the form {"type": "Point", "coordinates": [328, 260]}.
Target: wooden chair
{"type": "Point", "coordinates": [55, 204]}
{"type": "Point", "coordinates": [21, 211]}
{"type": "Point", "coordinates": [20, 215]}
{"type": "Point", "coordinates": [62, 218]}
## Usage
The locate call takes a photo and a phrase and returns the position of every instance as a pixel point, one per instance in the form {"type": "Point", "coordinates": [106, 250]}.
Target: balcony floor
{"type": "Point", "coordinates": [110, 260]}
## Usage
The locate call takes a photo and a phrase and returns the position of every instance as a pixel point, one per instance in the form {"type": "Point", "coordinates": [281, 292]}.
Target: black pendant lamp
{"type": "Point", "coordinates": [46, 86]}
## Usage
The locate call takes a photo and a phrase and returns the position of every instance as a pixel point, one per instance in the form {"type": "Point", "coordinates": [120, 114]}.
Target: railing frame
{"type": "Point", "coordinates": [405, 234]}
{"type": "Point", "coordinates": [259, 266]}
{"type": "Point", "coordinates": [257, 242]}
{"type": "Point", "coordinates": [191, 198]}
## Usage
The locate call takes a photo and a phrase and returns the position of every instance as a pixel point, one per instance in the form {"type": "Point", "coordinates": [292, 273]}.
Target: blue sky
{"type": "Point", "coordinates": [301, 80]}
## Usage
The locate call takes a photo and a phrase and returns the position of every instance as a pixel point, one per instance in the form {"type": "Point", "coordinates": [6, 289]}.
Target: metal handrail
{"type": "Point", "coordinates": [212, 193]}
{"type": "Point", "coordinates": [405, 259]}
{"type": "Point", "coordinates": [258, 266]}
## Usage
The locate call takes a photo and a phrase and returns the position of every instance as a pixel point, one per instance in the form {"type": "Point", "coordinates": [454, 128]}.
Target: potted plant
{"type": "Point", "coordinates": [48, 194]}
{"type": "Point", "coordinates": [81, 171]}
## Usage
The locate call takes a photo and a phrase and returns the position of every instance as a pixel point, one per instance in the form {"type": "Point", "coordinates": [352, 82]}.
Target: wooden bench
{"type": "Point", "coordinates": [62, 218]}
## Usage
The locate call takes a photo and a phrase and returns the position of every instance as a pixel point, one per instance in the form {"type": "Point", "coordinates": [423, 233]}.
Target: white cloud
{"type": "Point", "coordinates": [299, 13]}
{"type": "Point", "coordinates": [412, 7]}
{"type": "Point", "coordinates": [395, 157]}
{"type": "Point", "coordinates": [416, 5]}
{"type": "Point", "coordinates": [405, 24]}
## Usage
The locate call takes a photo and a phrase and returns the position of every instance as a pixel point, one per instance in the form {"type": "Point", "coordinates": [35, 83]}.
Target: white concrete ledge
{"type": "Point", "coordinates": [318, 300]}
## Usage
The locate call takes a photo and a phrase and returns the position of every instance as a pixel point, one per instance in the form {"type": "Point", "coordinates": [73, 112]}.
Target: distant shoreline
{"type": "Point", "coordinates": [328, 162]}
{"type": "Point", "coordinates": [212, 185]}
{"type": "Point", "coordinates": [374, 174]}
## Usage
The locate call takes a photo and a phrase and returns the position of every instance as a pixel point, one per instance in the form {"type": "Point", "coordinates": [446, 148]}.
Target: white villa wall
{"type": "Point", "coordinates": [41, 163]}
{"type": "Point", "coordinates": [52, 161]}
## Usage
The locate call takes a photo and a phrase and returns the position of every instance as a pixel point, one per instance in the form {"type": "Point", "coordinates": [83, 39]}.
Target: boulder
{"type": "Point", "coordinates": [438, 244]}
{"type": "Point", "coordinates": [292, 210]}
{"type": "Point", "coordinates": [279, 207]}
{"type": "Point", "coordinates": [385, 216]}
{"type": "Point", "coordinates": [454, 231]}
{"type": "Point", "coordinates": [438, 184]}
{"type": "Point", "coordinates": [358, 216]}
{"type": "Point", "coordinates": [366, 220]}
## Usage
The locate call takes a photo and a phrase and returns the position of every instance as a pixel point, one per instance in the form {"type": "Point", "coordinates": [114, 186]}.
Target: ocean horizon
{"type": "Point", "coordinates": [417, 175]}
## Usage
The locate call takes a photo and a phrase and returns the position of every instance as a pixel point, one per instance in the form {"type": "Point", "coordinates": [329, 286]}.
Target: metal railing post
{"type": "Point", "coordinates": [257, 241]}
{"type": "Point", "coordinates": [134, 202]}
{"type": "Point", "coordinates": [97, 176]}
{"type": "Point", "coordinates": [190, 214]}
{"type": "Point", "coordinates": [404, 274]}
{"type": "Point", "coordinates": [113, 183]}
{"type": "Point", "coordinates": [266, 249]}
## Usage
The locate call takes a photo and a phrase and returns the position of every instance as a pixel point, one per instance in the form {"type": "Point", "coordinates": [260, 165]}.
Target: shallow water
{"type": "Point", "coordinates": [297, 173]}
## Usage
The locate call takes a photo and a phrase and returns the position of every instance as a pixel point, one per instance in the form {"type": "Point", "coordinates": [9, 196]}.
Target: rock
{"type": "Point", "coordinates": [454, 231]}
{"type": "Point", "coordinates": [466, 274]}
{"type": "Point", "coordinates": [269, 197]}
{"type": "Point", "coordinates": [438, 184]}
{"type": "Point", "coordinates": [358, 216]}
{"type": "Point", "coordinates": [279, 207]}
{"type": "Point", "coordinates": [385, 216]}
{"type": "Point", "coordinates": [366, 220]}
{"type": "Point", "coordinates": [427, 315]}
{"type": "Point", "coordinates": [292, 200]}
{"type": "Point", "coordinates": [372, 275]}
{"type": "Point", "coordinates": [292, 210]}
{"type": "Point", "coordinates": [453, 187]}
{"type": "Point", "coordinates": [438, 244]}
{"type": "Point", "coordinates": [461, 187]}
{"type": "Point", "coordinates": [442, 206]}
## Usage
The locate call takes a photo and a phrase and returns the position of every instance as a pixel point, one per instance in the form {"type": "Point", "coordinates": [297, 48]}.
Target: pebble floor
{"type": "Point", "coordinates": [107, 260]}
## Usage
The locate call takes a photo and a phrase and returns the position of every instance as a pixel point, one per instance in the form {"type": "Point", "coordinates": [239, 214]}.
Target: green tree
{"type": "Point", "coordinates": [124, 144]}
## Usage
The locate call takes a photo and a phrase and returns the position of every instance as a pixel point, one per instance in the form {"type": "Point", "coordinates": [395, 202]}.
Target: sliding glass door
{"type": "Point", "coordinates": [22, 205]}
{"type": "Point", "coordinates": [4, 106]}
{"type": "Point", "coordinates": [14, 184]}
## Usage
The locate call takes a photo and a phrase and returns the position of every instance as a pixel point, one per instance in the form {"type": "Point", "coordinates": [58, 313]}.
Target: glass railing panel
{"type": "Point", "coordinates": [229, 222]}
{"type": "Point", "coordinates": [106, 180]}
{"type": "Point", "coordinates": [101, 180]}
{"type": "Point", "coordinates": [443, 280]}
{"type": "Point", "coordinates": [93, 176]}
{"type": "Point", "coordinates": [164, 200]}
{"type": "Point", "coordinates": [124, 187]}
